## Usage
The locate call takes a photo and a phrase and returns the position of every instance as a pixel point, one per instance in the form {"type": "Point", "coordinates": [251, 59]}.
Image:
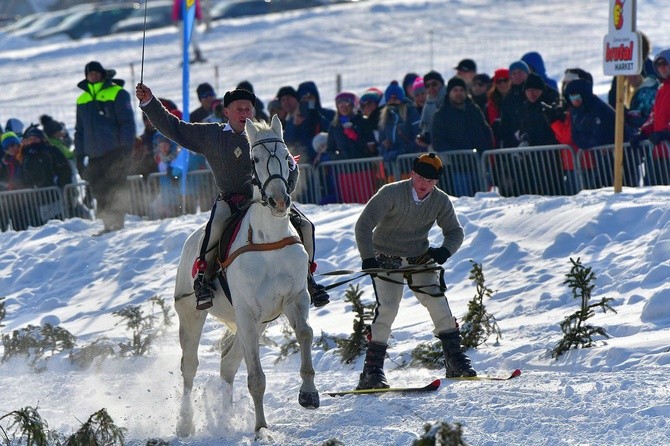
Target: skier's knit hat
{"type": "Point", "coordinates": [428, 166]}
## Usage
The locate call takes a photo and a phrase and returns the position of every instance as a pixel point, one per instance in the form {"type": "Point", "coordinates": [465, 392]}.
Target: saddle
{"type": "Point", "coordinates": [225, 257]}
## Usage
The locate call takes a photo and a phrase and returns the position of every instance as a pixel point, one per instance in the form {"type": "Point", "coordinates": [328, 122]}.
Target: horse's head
{"type": "Point", "coordinates": [272, 163]}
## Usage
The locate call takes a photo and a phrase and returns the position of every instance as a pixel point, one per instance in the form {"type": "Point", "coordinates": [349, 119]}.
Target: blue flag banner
{"type": "Point", "coordinates": [188, 19]}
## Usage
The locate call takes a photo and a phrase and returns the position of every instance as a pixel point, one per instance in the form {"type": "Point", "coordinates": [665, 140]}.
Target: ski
{"type": "Point", "coordinates": [515, 374]}
{"type": "Point", "coordinates": [429, 388]}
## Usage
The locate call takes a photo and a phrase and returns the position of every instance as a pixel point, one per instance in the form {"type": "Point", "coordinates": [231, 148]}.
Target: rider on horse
{"type": "Point", "coordinates": [226, 149]}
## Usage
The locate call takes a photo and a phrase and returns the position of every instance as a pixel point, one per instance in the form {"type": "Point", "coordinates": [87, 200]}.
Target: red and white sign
{"type": "Point", "coordinates": [622, 46]}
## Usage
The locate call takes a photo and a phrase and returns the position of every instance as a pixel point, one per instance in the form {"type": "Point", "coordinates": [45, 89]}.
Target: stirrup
{"type": "Point", "coordinates": [204, 293]}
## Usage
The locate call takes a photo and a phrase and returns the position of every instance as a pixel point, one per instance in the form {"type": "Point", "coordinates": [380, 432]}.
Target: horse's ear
{"type": "Point", "coordinates": [250, 129]}
{"type": "Point", "coordinates": [276, 126]}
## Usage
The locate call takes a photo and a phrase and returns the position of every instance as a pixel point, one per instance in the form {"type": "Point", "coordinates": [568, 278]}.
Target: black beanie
{"type": "Point", "coordinates": [245, 85]}
{"type": "Point", "coordinates": [205, 89]}
{"type": "Point", "coordinates": [456, 82]}
{"type": "Point", "coordinates": [236, 95]}
{"type": "Point", "coordinates": [534, 81]}
{"type": "Point", "coordinates": [287, 91]}
{"type": "Point", "coordinates": [433, 75]}
{"type": "Point", "coordinates": [94, 66]}
{"type": "Point", "coordinates": [50, 126]}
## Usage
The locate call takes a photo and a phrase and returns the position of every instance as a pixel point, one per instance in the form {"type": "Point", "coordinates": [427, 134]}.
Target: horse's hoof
{"type": "Point", "coordinates": [310, 400]}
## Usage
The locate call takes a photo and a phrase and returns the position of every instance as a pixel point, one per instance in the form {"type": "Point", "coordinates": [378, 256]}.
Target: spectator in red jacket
{"type": "Point", "coordinates": [657, 127]}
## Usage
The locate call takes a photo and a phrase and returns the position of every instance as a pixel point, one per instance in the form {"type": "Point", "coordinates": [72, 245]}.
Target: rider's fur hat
{"type": "Point", "coordinates": [428, 166]}
{"type": "Point", "coordinates": [237, 94]}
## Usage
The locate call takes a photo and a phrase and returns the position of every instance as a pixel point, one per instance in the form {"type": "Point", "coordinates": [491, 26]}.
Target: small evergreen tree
{"type": "Point", "coordinates": [429, 355]}
{"type": "Point", "coordinates": [141, 326]}
{"type": "Point", "coordinates": [478, 324]}
{"type": "Point", "coordinates": [443, 434]}
{"type": "Point", "coordinates": [353, 346]}
{"type": "Point", "coordinates": [35, 342]}
{"type": "Point", "coordinates": [26, 424]}
{"type": "Point", "coordinates": [99, 429]}
{"type": "Point", "coordinates": [576, 332]}
{"type": "Point", "coordinates": [85, 356]}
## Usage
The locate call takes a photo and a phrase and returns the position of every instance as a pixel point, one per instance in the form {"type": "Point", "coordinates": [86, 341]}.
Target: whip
{"type": "Point", "coordinates": [144, 36]}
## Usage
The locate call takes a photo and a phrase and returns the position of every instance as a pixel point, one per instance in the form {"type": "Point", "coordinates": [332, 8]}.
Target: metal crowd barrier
{"type": "Point", "coordinates": [23, 208]}
{"type": "Point", "coordinates": [544, 170]}
{"type": "Point", "coordinates": [309, 186]}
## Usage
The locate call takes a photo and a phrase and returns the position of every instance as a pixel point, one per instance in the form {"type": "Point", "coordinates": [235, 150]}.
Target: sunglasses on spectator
{"type": "Point", "coordinates": [502, 80]}
{"type": "Point", "coordinates": [661, 63]}
{"type": "Point", "coordinates": [432, 84]}
{"type": "Point", "coordinates": [344, 101]}
{"type": "Point", "coordinates": [575, 97]}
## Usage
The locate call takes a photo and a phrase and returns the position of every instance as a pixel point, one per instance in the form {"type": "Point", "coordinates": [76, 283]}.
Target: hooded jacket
{"type": "Point", "coordinates": [105, 120]}
{"type": "Point", "coordinates": [535, 62]}
{"type": "Point", "coordinates": [592, 122]}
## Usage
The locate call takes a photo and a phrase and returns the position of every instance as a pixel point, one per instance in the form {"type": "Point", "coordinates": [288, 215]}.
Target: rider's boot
{"type": "Point", "coordinates": [318, 294]}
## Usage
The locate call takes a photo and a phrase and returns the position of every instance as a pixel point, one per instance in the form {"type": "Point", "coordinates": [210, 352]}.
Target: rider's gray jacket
{"type": "Point", "coordinates": [227, 153]}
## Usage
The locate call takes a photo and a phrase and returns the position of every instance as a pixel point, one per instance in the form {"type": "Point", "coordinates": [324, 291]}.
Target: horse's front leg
{"type": "Point", "coordinates": [191, 323]}
{"type": "Point", "coordinates": [249, 335]}
{"type": "Point", "coordinates": [297, 314]}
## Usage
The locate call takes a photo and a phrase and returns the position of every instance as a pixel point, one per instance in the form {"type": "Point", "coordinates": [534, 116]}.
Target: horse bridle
{"type": "Point", "coordinates": [273, 155]}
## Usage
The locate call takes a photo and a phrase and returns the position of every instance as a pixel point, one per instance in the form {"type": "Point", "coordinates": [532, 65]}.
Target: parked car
{"type": "Point", "coordinates": [94, 22]}
{"type": "Point", "coordinates": [46, 20]}
{"type": "Point", "coordinates": [21, 23]}
{"type": "Point", "coordinates": [243, 8]}
{"type": "Point", "coordinates": [159, 14]}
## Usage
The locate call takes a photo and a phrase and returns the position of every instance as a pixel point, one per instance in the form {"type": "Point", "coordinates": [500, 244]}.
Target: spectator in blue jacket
{"type": "Point", "coordinates": [592, 125]}
{"type": "Point", "coordinates": [103, 140]}
{"type": "Point", "coordinates": [398, 124]}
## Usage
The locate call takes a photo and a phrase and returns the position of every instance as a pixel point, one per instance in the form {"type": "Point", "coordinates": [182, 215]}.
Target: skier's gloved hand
{"type": "Point", "coordinates": [440, 255]}
{"type": "Point", "coordinates": [370, 263]}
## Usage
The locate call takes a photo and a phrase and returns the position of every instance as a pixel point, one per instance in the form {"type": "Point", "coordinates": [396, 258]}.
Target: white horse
{"type": "Point", "coordinates": [267, 277]}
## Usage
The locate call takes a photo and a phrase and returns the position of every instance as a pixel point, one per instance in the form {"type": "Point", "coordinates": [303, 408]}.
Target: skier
{"type": "Point", "coordinates": [392, 233]}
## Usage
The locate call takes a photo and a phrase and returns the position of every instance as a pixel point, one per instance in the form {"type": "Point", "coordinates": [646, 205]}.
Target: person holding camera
{"type": "Point", "coordinates": [392, 233]}
{"type": "Point", "coordinates": [398, 124]}
{"type": "Point", "coordinates": [306, 121]}
{"type": "Point", "coordinates": [437, 92]}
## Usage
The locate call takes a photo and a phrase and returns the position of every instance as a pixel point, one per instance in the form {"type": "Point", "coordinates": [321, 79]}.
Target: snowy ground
{"type": "Point", "coordinates": [613, 394]}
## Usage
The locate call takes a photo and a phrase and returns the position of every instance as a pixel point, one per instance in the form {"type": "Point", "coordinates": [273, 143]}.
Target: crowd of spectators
{"type": "Point", "coordinates": [517, 105]}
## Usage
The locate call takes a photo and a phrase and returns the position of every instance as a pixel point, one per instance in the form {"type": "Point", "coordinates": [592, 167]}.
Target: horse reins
{"type": "Point", "coordinates": [274, 176]}
{"type": "Point", "coordinates": [380, 274]}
